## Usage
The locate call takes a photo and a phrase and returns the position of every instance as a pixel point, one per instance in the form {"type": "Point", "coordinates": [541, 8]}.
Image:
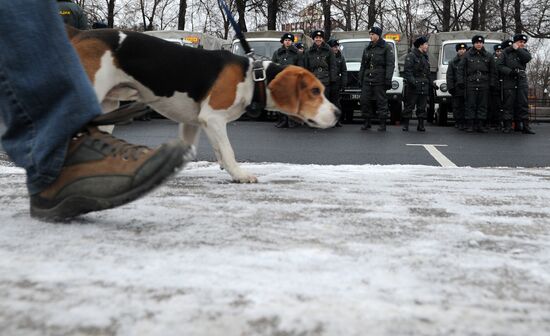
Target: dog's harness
{"type": "Point", "coordinates": [259, 98]}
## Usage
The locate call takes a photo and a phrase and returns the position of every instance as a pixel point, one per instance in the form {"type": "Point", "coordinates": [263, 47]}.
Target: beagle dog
{"type": "Point", "coordinates": [195, 87]}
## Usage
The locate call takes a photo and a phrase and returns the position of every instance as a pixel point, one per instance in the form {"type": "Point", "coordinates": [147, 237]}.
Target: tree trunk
{"type": "Point", "coordinates": [272, 11]}
{"type": "Point", "coordinates": [241, 9]}
{"type": "Point", "coordinates": [446, 16]}
{"type": "Point", "coordinates": [483, 15]}
{"type": "Point", "coordinates": [503, 17]}
{"type": "Point", "coordinates": [347, 15]}
{"type": "Point", "coordinates": [181, 14]}
{"type": "Point", "coordinates": [474, 25]}
{"type": "Point", "coordinates": [517, 17]}
{"type": "Point", "coordinates": [371, 14]}
{"type": "Point", "coordinates": [327, 4]}
{"type": "Point", "coordinates": [110, 13]}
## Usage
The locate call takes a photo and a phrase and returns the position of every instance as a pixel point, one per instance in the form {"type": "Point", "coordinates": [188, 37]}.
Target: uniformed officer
{"type": "Point", "coordinates": [511, 65]}
{"type": "Point", "coordinates": [342, 79]}
{"type": "Point", "coordinates": [300, 47]}
{"type": "Point", "coordinates": [417, 76]}
{"type": "Point", "coordinates": [72, 14]}
{"type": "Point", "coordinates": [494, 117]}
{"type": "Point", "coordinates": [320, 60]}
{"type": "Point", "coordinates": [375, 75]}
{"type": "Point", "coordinates": [477, 73]}
{"type": "Point", "coordinates": [287, 54]}
{"type": "Point", "coordinates": [456, 92]}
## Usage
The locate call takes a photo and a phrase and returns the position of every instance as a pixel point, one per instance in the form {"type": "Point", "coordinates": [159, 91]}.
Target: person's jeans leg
{"type": "Point", "coordinates": [45, 95]}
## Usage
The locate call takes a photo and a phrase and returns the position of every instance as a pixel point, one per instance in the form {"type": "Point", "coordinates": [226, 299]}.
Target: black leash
{"type": "Point", "coordinates": [255, 109]}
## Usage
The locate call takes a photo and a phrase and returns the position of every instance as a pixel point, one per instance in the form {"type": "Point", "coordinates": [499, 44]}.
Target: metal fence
{"type": "Point", "coordinates": [539, 109]}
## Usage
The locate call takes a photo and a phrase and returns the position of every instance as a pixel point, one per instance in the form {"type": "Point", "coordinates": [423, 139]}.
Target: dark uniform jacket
{"type": "Point", "coordinates": [321, 62]}
{"type": "Point", "coordinates": [377, 64]}
{"type": "Point", "coordinates": [288, 56]}
{"type": "Point", "coordinates": [511, 66]}
{"type": "Point", "coordinates": [341, 69]}
{"type": "Point", "coordinates": [452, 80]}
{"type": "Point", "coordinates": [477, 69]}
{"type": "Point", "coordinates": [417, 72]}
{"type": "Point", "coordinates": [72, 14]}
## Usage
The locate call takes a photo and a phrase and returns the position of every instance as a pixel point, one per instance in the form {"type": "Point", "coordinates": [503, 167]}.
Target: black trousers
{"type": "Point", "coordinates": [374, 101]}
{"type": "Point", "coordinates": [334, 94]}
{"type": "Point", "coordinates": [458, 108]}
{"type": "Point", "coordinates": [516, 104]}
{"type": "Point", "coordinates": [411, 100]}
{"type": "Point", "coordinates": [476, 103]}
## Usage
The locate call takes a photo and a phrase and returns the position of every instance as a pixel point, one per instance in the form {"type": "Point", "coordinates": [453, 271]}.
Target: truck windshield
{"type": "Point", "coordinates": [353, 51]}
{"type": "Point", "coordinates": [449, 51]}
{"type": "Point", "coordinates": [263, 48]}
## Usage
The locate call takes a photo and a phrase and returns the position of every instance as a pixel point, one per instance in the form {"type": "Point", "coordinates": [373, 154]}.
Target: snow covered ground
{"type": "Point", "coordinates": [310, 250]}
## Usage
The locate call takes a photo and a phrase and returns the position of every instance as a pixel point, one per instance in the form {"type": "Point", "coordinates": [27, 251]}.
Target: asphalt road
{"type": "Point", "coordinates": [262, 142]}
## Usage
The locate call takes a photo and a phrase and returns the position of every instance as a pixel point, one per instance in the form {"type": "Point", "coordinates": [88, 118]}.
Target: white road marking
{"type": "Point", "coordinates": [437, 155]}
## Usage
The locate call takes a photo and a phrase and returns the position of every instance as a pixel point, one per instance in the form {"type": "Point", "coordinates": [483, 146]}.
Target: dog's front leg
{"type": "Point", "coordinates": [216, 131]}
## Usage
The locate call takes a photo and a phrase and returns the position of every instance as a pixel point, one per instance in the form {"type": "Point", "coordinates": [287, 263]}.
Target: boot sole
{"type": "Point", "coordinates": [73, 206]}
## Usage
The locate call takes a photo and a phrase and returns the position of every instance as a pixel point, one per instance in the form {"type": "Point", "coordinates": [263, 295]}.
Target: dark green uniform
{"type": "Point", "coordinates": [288, 56]}
{"type": "Point", "coordinates": [320, 60]}
{"type": "Point", "coordinates": [341, 79]}
{"type": "Point", "coordinates": [456, 91]}
{"type": "Point", "coordinates": [417, 88]}
{"type": "Point", "coordinates": [375, 75]}
{"type": "Point", "coordinates": [511, 66]}
{"type": "Point", "coordinates": [477, 73]}
{"type": "Point", "coordinates": [72, 14]}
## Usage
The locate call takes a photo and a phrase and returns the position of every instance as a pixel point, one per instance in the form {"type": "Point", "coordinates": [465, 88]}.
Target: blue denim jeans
{"type": "Point", "coordinates": [45, 95]}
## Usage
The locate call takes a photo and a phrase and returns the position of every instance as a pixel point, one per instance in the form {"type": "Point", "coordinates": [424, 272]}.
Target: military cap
{"type": "Point", "coordinates": [376, 30]}
{"type": "Point", "coordinates": [420, 41]}
{"type": "Point", "coordinates": [287, 36]}
{"type": "Point", "coordinates": [520, 37]}
{"type": "Point", "coordinates": [333, 43]}
{"type": "Point", "coordinates": [506, 43]}
{"type": "Point", "coordinates": [317, 32]}
{"type": "Point", "coordinates": [459, 46]}
{"type": "Point", "coordinates": [299, 45]}
{"type": "Point", "coordinates": [497, 47]}
{"type": "Point", "coordinates": [478, 38]}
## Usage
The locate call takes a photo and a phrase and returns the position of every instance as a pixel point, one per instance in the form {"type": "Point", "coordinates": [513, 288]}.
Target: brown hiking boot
{"type": "Point", "coordinates": [102, 172]}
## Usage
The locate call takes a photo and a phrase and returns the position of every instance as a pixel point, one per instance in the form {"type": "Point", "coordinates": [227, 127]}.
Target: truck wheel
{"type": "Point", "coordinates": [396, 107]}
{"type": "Point", "coordinates": [442, 115]}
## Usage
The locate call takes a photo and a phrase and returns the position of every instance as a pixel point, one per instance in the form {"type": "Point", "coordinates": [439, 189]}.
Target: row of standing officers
{"type": "Point", "coordinates": [473, 77]}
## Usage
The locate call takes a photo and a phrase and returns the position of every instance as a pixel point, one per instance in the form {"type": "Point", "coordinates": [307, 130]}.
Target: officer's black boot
{"type": "Point", "coordinates": [507, 128]}
{"type": "Point", "coordinates": [517, 126]}
{"type": "Point", "coordinates": [527, 128]}
{"type": "Point", "coordinates": [366, 124]}
{"type": "Point", "coordinates": [382, 125]}
{"type": "Point", "coordinates": [420, 127]}
{"type": "Point", "coordinates": [469, 125]}
{"type": "Point", "coordinates": [479, 126]}
{"type": "Point", "coordinates": [405, 124]}
{"type": "Point", "coordinates": [462, 125]}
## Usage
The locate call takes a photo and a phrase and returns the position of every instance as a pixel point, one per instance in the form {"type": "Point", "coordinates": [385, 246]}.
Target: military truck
{"type": "Point", "coordinates": [441, 51]}
{"type": "Point", "coordinates": [194, 39]}
{"type": "Point", "coordinates": [265, 43]}
{"type": "Point", "coordinates": [352, 45]}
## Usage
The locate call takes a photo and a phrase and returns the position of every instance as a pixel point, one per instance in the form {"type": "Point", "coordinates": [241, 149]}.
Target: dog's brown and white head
{"type": "Point", "coordinates": [298, 93]}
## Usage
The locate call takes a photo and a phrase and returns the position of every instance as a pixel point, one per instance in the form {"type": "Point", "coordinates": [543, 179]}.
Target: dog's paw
{"type": "Point", "coordinates": [246, 179]}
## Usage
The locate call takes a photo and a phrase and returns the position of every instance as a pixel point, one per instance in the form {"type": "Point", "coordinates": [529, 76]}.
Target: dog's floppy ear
{"type": "Point", "coordinates": [286, 87]}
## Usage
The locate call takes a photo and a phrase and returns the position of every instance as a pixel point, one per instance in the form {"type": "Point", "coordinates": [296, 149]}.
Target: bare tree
{"type": "Point", "coordinates": [181, 14]}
